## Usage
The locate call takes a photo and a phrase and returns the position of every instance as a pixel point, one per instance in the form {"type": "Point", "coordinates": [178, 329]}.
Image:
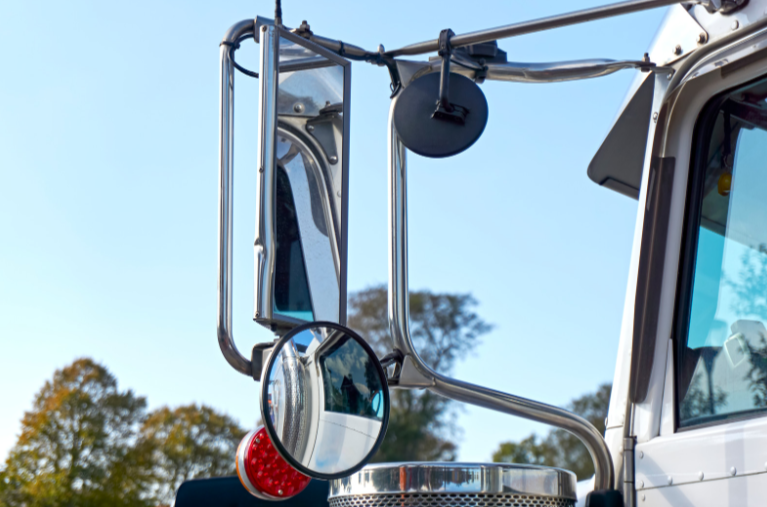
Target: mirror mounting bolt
{"type": "Point", "coordinates": [304, 30]}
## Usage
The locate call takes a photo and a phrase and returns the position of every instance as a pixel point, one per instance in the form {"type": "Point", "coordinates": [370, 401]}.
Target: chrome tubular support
{"type": "Point", "coordinates": [225, 208]}
{"type": "Point", "coordinates": [537, 25]}
{"type": "Point", "coordinates": [269, 41]}
{"type": "Point", "coordinates": [416, 373]}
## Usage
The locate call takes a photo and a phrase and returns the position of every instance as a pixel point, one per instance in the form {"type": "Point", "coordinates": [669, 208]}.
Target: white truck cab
{"type": "Point", "coordinates": [689, 385]}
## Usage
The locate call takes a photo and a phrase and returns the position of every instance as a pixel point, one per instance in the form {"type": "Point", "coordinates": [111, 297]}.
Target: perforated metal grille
{"type": "Point", "coordinates": [449, 500]}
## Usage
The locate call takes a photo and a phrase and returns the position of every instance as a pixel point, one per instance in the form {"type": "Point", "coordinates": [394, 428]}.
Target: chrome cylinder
{"type": "Point", "coordinates": [417, 374]}
{"type": "Point", "coordinates": [225, 205]}
{"type": "Point", "coordinates": [264, 246]}
{"type": "Point", "coordinates": [454, 485]}
{"type": "Point", "coordinates": [536, 25]}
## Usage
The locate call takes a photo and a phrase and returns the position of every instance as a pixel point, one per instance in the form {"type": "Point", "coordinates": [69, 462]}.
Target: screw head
{"type": "Point", "coordinates": [310, 127]}
{"type": "Point", "coordinates": [641, 484]}
{"type": "Point", "coordinates": [678, 50]}
{"type": "Point", "coordinates": [735, 25]}
{"type": "Point", "coordinates": [298, 107]}
{"type": "Point", "coordinates": [279, 492]}
{"type": "Point", "coordinates": [333, 159]}
{"type": "Point", "coordinates": [702, 38]}
{"type": "Point", "coordinates": [670, 480]}
{"type": "Point", "coordinates": [701, 475]}
{"type": "Point", "coordinates": [641, 454]}
{"type": "Point", "coordinates": [643, 497]}
{"type": "Point", "coordinates": [733, 471]}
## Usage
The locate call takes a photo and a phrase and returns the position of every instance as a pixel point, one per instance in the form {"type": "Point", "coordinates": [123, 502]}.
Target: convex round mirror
{"type": "Point", "coordinates": [324, 400]}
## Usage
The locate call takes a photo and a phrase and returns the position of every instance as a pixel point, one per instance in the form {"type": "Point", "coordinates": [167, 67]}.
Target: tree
{"type": "Point", "coordinates": [560, 448]}
{"type": "Point", "coordinates": [444, 327]}
{"type": "Point", "coordinates": [77, 444]}
{"type": "Point", "coordinates": [189, 442]}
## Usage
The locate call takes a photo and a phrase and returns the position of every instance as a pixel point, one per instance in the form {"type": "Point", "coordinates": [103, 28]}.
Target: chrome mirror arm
{"type": "Point", "coordinates": [417, 374]}
{"type": "Point", "coordinates": [565, 71]}
{"type": "Point", "coordinates": [226, 172]}
{"type": "Point", "coordinates": [536, 25]}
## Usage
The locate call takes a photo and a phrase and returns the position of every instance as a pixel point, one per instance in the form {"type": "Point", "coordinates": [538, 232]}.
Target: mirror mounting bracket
{"type": "Point", "coordinates": [445, 109]}
{"type": "Point", "coordinates": [411, 377]}
{"type": "Point", "coordinates": [323, 127]}
{"type": "Point", "coordinates": [258, 358]}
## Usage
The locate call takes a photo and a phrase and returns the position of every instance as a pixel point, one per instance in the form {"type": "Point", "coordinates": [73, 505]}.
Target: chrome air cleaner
{"type": "Point", "coordinates": [454, 485]}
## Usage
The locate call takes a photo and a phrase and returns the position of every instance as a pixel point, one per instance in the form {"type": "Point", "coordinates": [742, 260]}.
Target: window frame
{"type": "Point", "coordinates": [701, 143]}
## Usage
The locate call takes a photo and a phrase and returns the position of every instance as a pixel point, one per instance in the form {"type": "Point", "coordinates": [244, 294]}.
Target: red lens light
{"type": "Point", "coordinates": [264, 472]}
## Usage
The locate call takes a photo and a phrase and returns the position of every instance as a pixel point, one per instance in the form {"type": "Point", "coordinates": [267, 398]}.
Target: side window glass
{"type": "Point", "coordinates": [722, 357]}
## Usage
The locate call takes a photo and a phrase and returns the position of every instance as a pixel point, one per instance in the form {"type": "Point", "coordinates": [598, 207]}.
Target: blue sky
{"type": "Point", "coordinates": [108, 181]}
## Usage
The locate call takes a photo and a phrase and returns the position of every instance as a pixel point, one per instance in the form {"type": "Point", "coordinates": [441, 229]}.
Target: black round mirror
{"type": "Point", "coordinates": [324, 400]}
{"type": "Point", "coordinates": [430, 135]}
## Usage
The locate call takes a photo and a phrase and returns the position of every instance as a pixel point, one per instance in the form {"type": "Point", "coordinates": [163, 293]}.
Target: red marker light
{"type": "Point", "coordinates": [263, 472]}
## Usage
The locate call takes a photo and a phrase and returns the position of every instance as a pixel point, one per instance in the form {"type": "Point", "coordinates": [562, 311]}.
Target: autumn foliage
{"type": "Point", "coordinates": [87, 443]}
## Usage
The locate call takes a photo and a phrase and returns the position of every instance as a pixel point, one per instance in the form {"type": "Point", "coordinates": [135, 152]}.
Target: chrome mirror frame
{"type": "Point", "coordinates": [267, 35]}
{"type": "Point", "coordinates": [269, 124]}
{"type": "Point", "coordinates": [264, 401]}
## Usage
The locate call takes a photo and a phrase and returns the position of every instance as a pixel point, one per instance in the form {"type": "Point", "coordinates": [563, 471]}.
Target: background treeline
{"type": "Point", "coordinates": [87, 443]}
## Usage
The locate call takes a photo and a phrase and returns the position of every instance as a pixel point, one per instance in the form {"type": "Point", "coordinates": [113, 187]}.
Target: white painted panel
{"type": "Point", "coordinates": [714, 451]}
{"type": "Point", "coordinates": [748, 491]}
{"type": "Point", "coordinates": [667, 411]}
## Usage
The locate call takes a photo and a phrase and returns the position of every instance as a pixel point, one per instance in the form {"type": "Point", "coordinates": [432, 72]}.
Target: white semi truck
{"type": "Point", "coordinates": [687, 422]}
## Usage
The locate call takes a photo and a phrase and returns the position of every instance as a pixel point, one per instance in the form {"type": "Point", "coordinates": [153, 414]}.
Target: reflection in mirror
{"type": "Point", "coordinates": [325, 400]}
{"type": "Point", "coordinates": [311, 173]}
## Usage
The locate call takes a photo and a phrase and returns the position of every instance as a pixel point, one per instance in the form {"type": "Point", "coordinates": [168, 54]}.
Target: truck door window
{"type": "Point", "coordinates": [722, 353]}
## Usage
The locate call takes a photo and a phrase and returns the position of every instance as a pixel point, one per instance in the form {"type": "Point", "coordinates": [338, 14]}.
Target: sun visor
{"type": "Point", "coordinates": [618, 163]}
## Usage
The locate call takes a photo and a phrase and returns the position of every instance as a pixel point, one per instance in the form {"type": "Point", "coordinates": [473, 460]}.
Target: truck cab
{"type": "Point", "coordinates": [688, 401]}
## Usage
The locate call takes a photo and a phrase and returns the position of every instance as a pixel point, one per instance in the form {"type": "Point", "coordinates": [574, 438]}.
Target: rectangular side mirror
{"type": "Point", "coordinates": [302, 189]}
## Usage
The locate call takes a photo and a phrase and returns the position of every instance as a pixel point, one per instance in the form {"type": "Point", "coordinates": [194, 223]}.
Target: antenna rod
{"type": "Point", "coordinates": [537, 25]}
{"type": "Point", "coordinates": [278, 12]}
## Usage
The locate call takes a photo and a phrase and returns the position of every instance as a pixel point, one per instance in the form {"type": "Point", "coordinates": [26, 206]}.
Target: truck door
{"type": "Point", "coordinates": [712, 444]}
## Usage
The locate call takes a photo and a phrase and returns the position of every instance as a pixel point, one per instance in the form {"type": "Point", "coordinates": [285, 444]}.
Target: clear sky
{"type": "Point", "coordinates": [108, 199]}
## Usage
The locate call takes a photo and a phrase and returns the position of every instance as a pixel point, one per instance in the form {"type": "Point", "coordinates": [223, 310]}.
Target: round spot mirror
{"type": "Point", "coordinates": [324, 400]}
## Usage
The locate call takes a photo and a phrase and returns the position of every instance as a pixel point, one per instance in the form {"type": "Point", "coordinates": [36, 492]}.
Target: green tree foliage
{"type": "Point", "coordinates": [559, 448]}
{"type": "Point", "coordinates": [77, 444]}
{"type": "Point", "coordinates": [444, 327]}
{"type": "Point", "coordinates": [186, 443]}
{"type": "Point", "coordinates": [86, 443]}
